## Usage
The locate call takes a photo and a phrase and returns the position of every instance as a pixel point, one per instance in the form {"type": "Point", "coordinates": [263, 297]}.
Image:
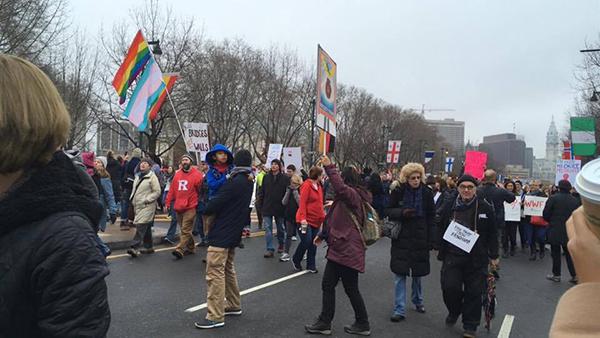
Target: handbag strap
{"type": "Point", "coordinates": [356, 223]}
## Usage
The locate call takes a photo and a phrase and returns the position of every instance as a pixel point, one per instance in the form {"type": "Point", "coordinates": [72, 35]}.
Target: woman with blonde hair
{"type": "Point", "coordinates": [49, 214]}
{"type": "Point", "coordinates": [291, 201]}
{"type": "Point", "coordinates": [411, 204]}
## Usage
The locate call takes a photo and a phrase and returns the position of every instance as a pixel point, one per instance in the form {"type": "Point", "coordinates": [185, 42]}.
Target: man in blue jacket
{"type": "Point", "coordinates": [230, 210]}
{"type": "Point", "coordinates": [220, 164]}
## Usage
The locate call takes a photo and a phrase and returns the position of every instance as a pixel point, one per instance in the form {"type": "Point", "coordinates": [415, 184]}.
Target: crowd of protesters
{"type": "Point", "coordinates": [54, 203]}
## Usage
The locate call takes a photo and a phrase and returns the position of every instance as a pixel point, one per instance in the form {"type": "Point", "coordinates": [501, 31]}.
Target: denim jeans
{"type": "Point", "coordinates": [172, 232]}
{"type": "Point", "coordinates": [306, 244]}
{"type": "Point", "coordinates": [268, 224]}
{"type": "Point", "coordinates": [102, 223]}
{"type": "Point", "coordinates": [125, 204]}
{"type": "Point", "coordinates": [535, 234]}
{"type": "Point", "coordinates": [104, 249]}
{"type": "Point", "coordinates": [417, 294]}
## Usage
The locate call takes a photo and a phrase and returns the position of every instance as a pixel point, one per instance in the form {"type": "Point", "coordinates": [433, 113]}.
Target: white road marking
{"type": "Point", "coordinates": [507, 324]}
{"type": "Point", "coordinates": [256, 288]}
{"type": "Point", "coordinates": [127, 255]}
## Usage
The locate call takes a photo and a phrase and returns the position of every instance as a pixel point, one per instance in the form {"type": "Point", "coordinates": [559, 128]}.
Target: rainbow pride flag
{"type": "Point", "coordinates": [135, 60]}
{"type": "Point", "coordinates": [146, 94]}
{"type": "Point", "coordinates": [169, 80]}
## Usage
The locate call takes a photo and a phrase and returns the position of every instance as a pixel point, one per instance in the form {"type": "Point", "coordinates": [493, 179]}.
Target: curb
{"type": "Point", "coordinates": [158, 239]}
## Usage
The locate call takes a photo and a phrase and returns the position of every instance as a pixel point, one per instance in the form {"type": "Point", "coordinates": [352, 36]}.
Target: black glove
{"type": "Point", "coordinates": [113, 218]}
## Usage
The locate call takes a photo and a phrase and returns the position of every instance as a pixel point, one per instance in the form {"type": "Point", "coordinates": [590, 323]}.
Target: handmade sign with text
{"type": "Point", "coordinates": [534, 205]}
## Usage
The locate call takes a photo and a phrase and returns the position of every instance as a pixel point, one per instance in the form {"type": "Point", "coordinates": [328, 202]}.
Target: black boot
{"type": "Point", "coordinates": [358, 329]}
{"type": "Point", "coordinates": [319, 327]}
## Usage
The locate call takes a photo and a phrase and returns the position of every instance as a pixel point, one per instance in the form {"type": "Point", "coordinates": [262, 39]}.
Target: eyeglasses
{"type": "Point", "coordinates": [415, 178]}
{"type": "Point", "coordinates": [466, 187]}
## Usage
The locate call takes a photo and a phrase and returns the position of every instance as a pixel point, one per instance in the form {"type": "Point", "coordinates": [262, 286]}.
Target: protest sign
{"type": "Point", "coordinates": [196, 138]}
{"type": "Point", "coordinates": [274, 153]}
{"type": "Point", "coordinates": [534, 205]}
{"type": "Point", "coordinates": [567, 170]}
{"type": "Point", "coordinates": [475, 163]}
{"type": "Point", "coordinates": [460, 236]}
{"type": "Point", "coordinates": [293, 155]}
{"type": "Point", "coordinates": [512, 211]}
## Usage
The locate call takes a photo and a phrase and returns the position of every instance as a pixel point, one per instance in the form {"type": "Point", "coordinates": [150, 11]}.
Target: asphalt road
{"type": "Point", "coordinates": [149, 295]}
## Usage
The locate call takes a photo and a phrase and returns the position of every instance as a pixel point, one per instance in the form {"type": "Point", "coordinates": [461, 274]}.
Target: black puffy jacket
{"type": "Point", "coordinates": [410, 252]}
{"type": "Point", "coordinates": [51, 270]}
{"type": "Point", "coordinates": [230, 205]}
{"type": "Point", "coordinates": [557, 211]}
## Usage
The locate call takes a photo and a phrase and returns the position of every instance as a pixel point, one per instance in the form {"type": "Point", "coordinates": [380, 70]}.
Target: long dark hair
{"type": "Point", "coordinates": [375, 186]}
{"type": "Point", "coordinates": [514, 189]}
{"type": "Point", "coordinates": [351, 177]}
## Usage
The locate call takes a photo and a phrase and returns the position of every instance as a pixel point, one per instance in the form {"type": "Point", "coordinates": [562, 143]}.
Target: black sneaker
{"type": "Point", "coordinates": [178, 255]}
{"type": "Point", "coordinates": [297, 267]}
{"type": "Point", "coordinates": [312, 270]}
{"type": "Point", "coordinates": [208, 324]}
{"type": "Point", "coordinates": [574, 280]}
{"type": "Point", "coordinates": [233, 312]}
{"type": "Point", "coordinates": [358, 329]}
{"type": "Point", "coordinates": [133, 252]}
{"type": "Point", "coordinates": [451, 320]}
{"type": "Point", "coordinates": [420, 308]}
{"type": "Point", "coordinates": [397, 318]}
{"type": "Point", "coordinates": [147, 251]}
{"type": "Point", "coordinates": [319, 327]}
{"type": "Point", "coordinates": [553, 278]}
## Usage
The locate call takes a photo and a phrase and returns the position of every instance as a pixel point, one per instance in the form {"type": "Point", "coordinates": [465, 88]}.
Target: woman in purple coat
{"type": "Point", "coordinates": [346, 250]}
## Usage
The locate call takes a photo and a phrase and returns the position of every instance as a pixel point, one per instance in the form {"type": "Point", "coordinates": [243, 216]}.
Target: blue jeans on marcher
{"type": "Point", "coordinates": [125, 204]}
{"type": "Point", "coordinates": [104, 249]}
{"type": "Point", "coordinates": [306, 244]}
{"type": "Point", "coordinates": [268, 224]}
{"type": "Point", "coordinates": [172, 232]}
{"type": "Point", "coordinates": [417, 294]}
{"type": "Point", "coordinates": [535, 234]}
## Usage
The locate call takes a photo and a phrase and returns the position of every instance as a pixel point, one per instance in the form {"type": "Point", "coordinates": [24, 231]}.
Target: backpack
{"type": "Point", "coordinates": [369, 226]}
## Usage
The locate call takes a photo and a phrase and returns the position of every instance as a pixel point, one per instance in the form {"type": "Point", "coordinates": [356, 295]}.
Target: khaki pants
{"type": "Point", "coordinates": [223, 290]}
{"type": "Point", "coordinates": [186, 240]}
{"type": "Point", "coordinates": [207, 222]}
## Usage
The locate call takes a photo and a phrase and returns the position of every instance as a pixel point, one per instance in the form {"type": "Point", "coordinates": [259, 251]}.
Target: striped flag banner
{"type": "Point", "coordinates": [145, 96]}
{"type": "Point", "coordinates": [326, 142]}
{"type": "Point", "coordinates": [169, 80]}
{"type": "Point", "coordinates": [583, 136]}
{"type": "Point", "coordinates": [135, 60]}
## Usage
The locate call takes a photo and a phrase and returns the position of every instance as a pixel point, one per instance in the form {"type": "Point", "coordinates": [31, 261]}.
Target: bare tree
{"type": "Point", "coordinates": [74, 72]}
{"type": "Point", "coordinates": [178, 40]}
{"type": "Point", "coordinates": [29, 27]}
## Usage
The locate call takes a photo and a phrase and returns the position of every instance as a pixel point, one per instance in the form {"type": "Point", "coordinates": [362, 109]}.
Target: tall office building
{"type": "Point", "coordinates": [503, 149]}
{"type": "Point", "coordinates": [452, 132]}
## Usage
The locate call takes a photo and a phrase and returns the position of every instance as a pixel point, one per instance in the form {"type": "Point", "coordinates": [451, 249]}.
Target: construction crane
{"type": "Point", "coordinates": [423, 110]}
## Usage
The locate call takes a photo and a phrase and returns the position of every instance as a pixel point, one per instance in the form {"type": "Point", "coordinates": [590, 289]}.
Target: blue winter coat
{"type": "Point", "coordinates": [214, 178]}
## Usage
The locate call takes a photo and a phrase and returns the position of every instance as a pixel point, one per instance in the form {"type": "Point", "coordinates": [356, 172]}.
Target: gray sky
{"type": "Point", "coordinates": [495, 62]}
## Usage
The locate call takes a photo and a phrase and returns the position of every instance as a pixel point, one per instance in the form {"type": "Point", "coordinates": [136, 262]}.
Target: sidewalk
{"type": "Point", "coordinates": [119, 240]}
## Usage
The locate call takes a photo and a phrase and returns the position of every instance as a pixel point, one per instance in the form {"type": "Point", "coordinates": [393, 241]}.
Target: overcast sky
{"type": "Point", "coordinates": [495, 62]}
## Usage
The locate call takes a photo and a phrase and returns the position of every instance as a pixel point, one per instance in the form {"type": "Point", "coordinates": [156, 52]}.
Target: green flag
{"type": "Point", "coordinates": [583, 136]}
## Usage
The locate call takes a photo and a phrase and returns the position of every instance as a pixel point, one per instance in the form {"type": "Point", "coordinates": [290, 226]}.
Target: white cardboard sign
{"type": "Point", "coordinates": [512, 211]}
{"type": "Point", "coordinates": [293, 155]}
{"type": "Point", "coordinates": [274, 153]}
{"type": "Point", "coordinates": [461, 236]}
{"type": "Point", "coordinates": [196, 138]}
{"type": "Point", "coordinates": [534, 205]}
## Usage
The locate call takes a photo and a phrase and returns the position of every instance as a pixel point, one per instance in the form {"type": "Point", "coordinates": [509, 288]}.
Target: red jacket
{"type": "Point", "coordinates": [184, 190]}
{"type": "Point", "coordinates": [311, 204]}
